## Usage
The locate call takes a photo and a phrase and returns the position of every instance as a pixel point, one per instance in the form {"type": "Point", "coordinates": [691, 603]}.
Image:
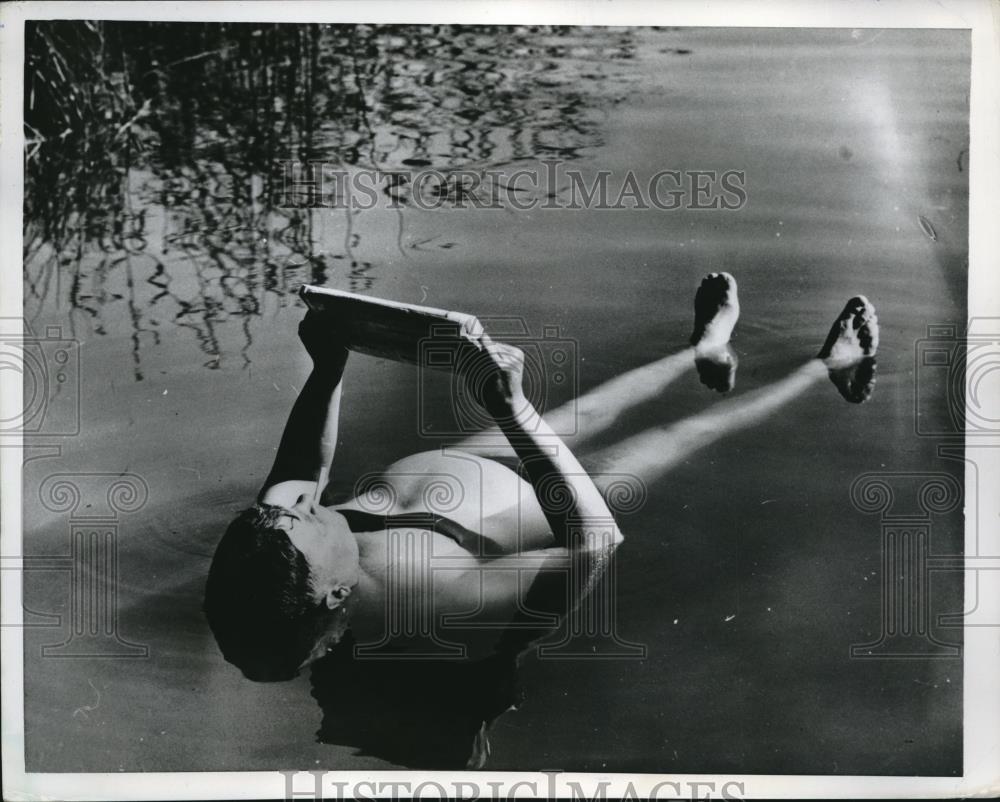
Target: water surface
{"type": "Point", "coordinates": [748, 574]}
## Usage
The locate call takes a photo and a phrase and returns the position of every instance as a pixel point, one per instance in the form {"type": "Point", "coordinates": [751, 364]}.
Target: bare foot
{"type": "Point", "coordinates": [849, 350]}
{"type": "Point", "coordinates": [716, 310]}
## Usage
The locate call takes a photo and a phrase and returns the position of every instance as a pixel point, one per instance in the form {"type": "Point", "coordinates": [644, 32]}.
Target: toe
{"type": "Point", "coordinates": [866, 324]}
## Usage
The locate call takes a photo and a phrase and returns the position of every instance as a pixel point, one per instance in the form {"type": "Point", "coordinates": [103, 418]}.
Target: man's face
{"type": "Point", "coordinates": [331, 552]}
{"type": "Point", "coordinates": [318, 533]}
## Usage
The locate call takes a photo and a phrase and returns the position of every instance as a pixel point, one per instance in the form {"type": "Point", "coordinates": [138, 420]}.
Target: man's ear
{"type": "Point", "coordinates": [336, 596]}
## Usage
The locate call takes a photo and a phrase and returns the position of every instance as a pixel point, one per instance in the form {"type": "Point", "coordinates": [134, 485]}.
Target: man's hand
{"type": "Point", "coordinates": [329, 355]}
{"type": "Point", "coordinates": [493, 376]}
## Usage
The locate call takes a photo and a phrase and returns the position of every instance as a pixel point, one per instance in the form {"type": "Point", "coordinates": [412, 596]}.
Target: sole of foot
{"type": "Point", "coordinates": [716, 310]}
{"type": "Point", "coordinates": [850, 348]}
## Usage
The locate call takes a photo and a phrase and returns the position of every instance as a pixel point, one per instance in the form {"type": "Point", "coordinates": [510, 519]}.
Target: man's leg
{"type": "Point", "coordinates": [847, 357]}
{"type": "Point", "coordinates": [716, 312]}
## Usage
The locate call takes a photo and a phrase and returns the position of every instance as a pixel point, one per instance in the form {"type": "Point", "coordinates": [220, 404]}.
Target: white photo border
{"type": "Point", "coordinates": [981, 644]}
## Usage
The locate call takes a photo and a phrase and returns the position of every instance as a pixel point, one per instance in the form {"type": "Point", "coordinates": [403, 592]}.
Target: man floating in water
{"type": "Point", "coordinates": [290, 576]}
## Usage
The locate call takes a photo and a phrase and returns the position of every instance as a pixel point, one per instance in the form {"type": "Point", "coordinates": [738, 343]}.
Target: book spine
{"type": "Point", "coordinates": [431, 338]}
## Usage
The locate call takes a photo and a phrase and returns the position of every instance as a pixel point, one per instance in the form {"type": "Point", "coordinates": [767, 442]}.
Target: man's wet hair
{"type": "Point", "coordinates": [259, 598]}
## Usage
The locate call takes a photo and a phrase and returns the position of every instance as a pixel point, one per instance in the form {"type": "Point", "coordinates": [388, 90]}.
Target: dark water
{"type": "Point", "coordinates": [154, 240]}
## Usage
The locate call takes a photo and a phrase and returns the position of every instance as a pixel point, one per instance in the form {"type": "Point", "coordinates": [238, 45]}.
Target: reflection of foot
{"type": "Point", "coordinates": [849, 350]}
{"type": "Point", "coordinates": [716, 310]}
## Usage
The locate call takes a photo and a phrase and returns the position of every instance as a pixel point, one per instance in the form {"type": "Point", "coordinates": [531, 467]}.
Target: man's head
{"type": "Point", "coordinates": [279, 589]}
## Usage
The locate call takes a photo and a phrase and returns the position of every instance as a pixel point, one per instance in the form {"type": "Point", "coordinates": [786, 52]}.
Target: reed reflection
{"type": "Point", "coordinates": [154, 151]}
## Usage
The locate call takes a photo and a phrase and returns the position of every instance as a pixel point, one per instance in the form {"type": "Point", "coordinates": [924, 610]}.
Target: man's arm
{"type": "Point", "coordinates": [570, 500]}
{"type": "Point", "coordinates": [310, 438]}
{"type": "Point", "coordinates": [581, 523]}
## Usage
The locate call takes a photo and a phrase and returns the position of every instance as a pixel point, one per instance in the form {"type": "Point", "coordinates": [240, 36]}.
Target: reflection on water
{"type": "Point", "coordinates": [420, 714]}
{"type": "Point", "coordinates": [153, 164]}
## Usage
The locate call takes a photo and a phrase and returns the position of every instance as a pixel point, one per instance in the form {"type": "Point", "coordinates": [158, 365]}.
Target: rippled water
{"type": "Point", "coordinates": [180, 230]}
{"type": "Point", "coordinates": [155, 241]}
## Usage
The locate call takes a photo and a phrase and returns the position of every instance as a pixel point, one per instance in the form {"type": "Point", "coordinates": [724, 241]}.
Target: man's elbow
{"type": "Point", "coordinates": [617, 538]}
{"type": "Point", "coordinates": [605, 538]}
